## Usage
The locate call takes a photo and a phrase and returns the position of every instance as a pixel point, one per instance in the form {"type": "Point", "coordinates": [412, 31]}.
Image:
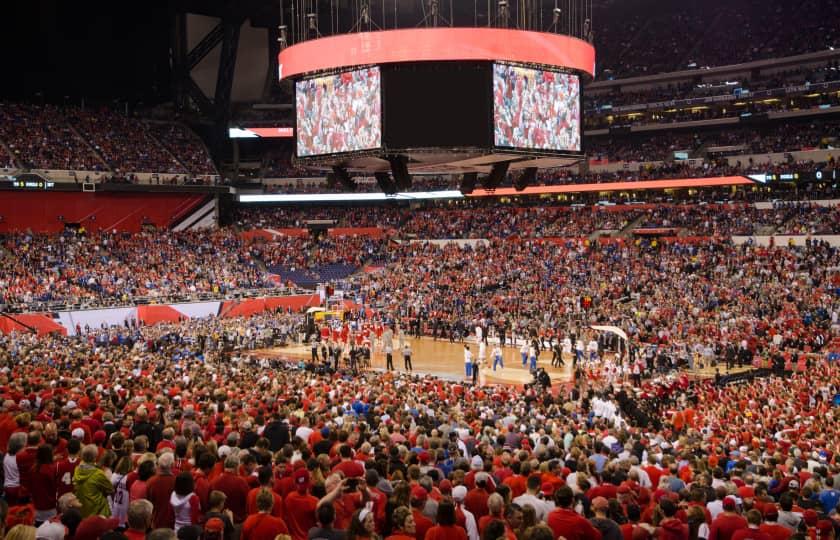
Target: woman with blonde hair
{"type": "Point", "coordinates": [21, 532]}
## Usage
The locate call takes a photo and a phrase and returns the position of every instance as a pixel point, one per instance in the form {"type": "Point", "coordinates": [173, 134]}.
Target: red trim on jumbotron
{"type": "Point", "coordinates": [437, 45]}
{"type": "Point", "coordinates": [619, 186]}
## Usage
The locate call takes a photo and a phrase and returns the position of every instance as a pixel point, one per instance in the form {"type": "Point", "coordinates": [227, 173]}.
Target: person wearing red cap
{"type": "Point", "coordinates": [446, 528]}
{"type": "Point", "coordinates": [565, 522]}
{"type": "Point", "coordinates": [263, 524]}
{"type": "Point", "coordinates": [93, 527]}
{"type": "Point", "coordinates": [729, 521]}
{"type": "Point", "coordinates": [300, 506]}
{"type": "Point", "coordinates": [753, 530]}
{"type": "Point", "coordinates": [421, 522]}
{"type": "Point", "coordinates": [771, 526]}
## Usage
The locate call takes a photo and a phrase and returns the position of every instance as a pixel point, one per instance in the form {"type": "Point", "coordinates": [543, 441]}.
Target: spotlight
{"type": "Point", "coordinates": [399, 168]}
{"type": "Point", "coordinates": [387, 185]}
{"type": "Point", "coordinates": [341, 176]}
{"type": "Point", "coordinates": [528, 177]}
{"type": "Point", "coordinates": [497, 174]}
{"type": "Point", "coordinates": [468, 183]}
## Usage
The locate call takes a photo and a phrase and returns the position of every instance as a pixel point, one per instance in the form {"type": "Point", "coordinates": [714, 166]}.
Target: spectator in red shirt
{"type": "Point", "coordinates": [263, 524]}
{"type": "Point", "coordinates": [350, 468]}
{"type": "Point", "coordinates": [65, 468]}
{"type": "Point", "coordinates": [422, 523]}
{"type": "Point", "coordinates": [476, 499]}
{"type": "Point", "coordinates": [729, 521]}
{"type": "Point", "coordinates": [44, 484]}
{"type": "Point", "coordinates": [159, 489]}
{"type": "Point", "coordinates": [753, 530]}
{"type": "Point", "coordinates": [300, 506]}
{"type": "Point", "coordinates": [565, 522]}
{"type": "Point", "coordinates": [265, 477]}
{"type": "Point", "coordinates": [495, 509]}
{"type": "Point", "coordinates": [771, 527]}
{"type": "Point", "coordinates": [446, 528]}
{"type": "Point", "coordinates": [26, 460]}
{"type": "Point", "coordinates": [671, 528]}
{"type": "Point", "coordinates": [234, 487]}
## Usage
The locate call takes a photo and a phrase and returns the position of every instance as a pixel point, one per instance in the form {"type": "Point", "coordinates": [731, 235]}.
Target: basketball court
{"type": "Point", "coordinates": [444, 359]}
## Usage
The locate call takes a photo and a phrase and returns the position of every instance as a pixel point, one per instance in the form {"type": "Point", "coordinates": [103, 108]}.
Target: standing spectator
{"type": "Point", "coordinates": [91, 485]}
{"type": "Point", "coordinates": [531, 497]}
{"type": "Point", "coordinates": [404, 528]}
{"type": "Point", "coordinates": [159, 490]}
{"type": "Point", "coordinates": [186, 505]}
{"type": "Point", "coordinates": [829, 497]}
{"type": "Point", "coordinates": [139, 519]}
{"type": "Point", "coordinates": [609, 528]}
{"type": "Point", "coordinates": [11, 474]}
{"type": "Point", "coordinates": [300, 506]}
{"type": "Point", "coordinates": [145, 471]}
{"type": "Point", "coordinates": [753, 531]}
{"type": "Point", "coordinates": [565, 522]}
{"type": "Point", "coordinates": [326, 518]}
{"type": "Point", "coordinates": [464, 517]}
{"type": "Point", "coordinates": [263, 524]}
{"type": "Point", "coordinates": [446, 528]}
{"type": "Point", "coordinates": [362, 526]}
{"type": "Point", "coordinates": [234, 487]}
{"type": "Point", "coordinates": [120, 498]}
{"type": "Point", "coordinates": [67, 467]}
{"type": "Point", "coordinates": [217, 514]}
{"type": "Point", "coordinates": [729, 521]}
{"type": "Point", "coordinates": [672, 528]}
{"type": "Point", "coordinates": [44, 484]}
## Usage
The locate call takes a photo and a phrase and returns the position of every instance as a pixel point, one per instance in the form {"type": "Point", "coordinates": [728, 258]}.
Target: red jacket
{"type": "Point", "coordinates": [725, 525]}
{"type": "Point", "coordinates": [568, 524]}
{"type": "Point", "coordinates": [446, 532]}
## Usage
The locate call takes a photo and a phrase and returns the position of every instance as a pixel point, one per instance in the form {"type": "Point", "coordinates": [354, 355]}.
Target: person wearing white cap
{"type": "Point", "coordinates": [459, 493]}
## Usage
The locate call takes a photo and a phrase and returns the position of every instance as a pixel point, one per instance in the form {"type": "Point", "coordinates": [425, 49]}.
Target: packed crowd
{"type": "Point", "coordinates": [120, 268]}
{"type": "Point", "coordinates": [39, 137]}
{"type": "Point", "coordinates": [788, 79]}
{"type": "Point", "coordinates": [185, 145]}
{"type": "Point", "coordinates": [161, 434]}
{"type": "Point", "coordinates": [643, 37]}
{"type": "Point", "coordinates": [771, 138]}
{"type": "Point", "coordinates": [66, 138]}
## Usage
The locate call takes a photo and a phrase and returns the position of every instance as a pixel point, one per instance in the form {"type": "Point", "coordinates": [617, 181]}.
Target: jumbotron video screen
{"type": "Point", "coordinates": [339, 113]}
{"type": "Point", "coordinates": [535, 109]}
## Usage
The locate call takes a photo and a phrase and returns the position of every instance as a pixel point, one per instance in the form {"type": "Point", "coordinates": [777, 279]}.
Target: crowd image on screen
{"type": "Point", "coordinates": [339, 113]}
{"type": "Point", "coordinates": [535, 108]}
